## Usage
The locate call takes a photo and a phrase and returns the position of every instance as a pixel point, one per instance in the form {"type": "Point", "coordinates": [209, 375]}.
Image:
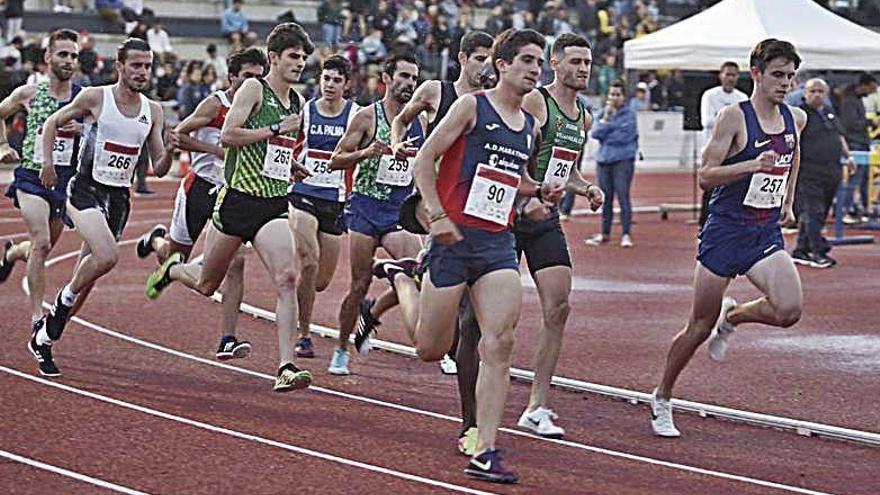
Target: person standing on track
{"type": "Point", "coordinates": [252, 206]}
{"type": "Point", "coordinates": [752, 160]}
{"type": "Point", "coordinates": [121, 120]}
{"type": "Point", "coordinates": [196, 196]}
{"type": "Point", "coordinates": [382, 181]}
{"type": "Point", "coordinates": [41, 208]}
{"type": "Point", "coordinates": [318, 201]}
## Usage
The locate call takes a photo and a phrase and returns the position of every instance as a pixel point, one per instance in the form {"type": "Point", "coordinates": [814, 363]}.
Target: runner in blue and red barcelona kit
{"type": "Point", "coordinates": [752, 160]}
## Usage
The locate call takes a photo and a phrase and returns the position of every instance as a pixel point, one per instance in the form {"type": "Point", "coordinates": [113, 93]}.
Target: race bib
{"type": "Point", "coordinates": [767, 189]}
{"type": "Point", "coordinates": [393, 172]}
{"type": "Point", "coordinates": [318, 163]}
{"type": "Point", "coordinates": [115, 164]}
{"type": "Point", "coordinates": [279, 158]}
{"type": "Point", "coordinates": [559, 167]}
{"type": "Point", "coordinates": [492, 194]}
{"type": "Point", "coordinates": [62, 149]}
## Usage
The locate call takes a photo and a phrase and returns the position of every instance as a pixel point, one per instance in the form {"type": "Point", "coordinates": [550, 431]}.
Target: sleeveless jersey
{"type": "Point", "coordinates": [447, 98]}
{"type": "Point", "coordinates": [385, 178]}
{"type": "Point", "coordinates": [561, 140]}
{"type": "Point", "coordinates": [64, 150]}
{"type": "Point", "coordinates": [208, 165]}
{"type": "Point", "coordinates": [756, 199]}
{"type": "Point", "coordinates": [480, 173]}
{"type": "Point", "coordinates": [262, 169]}
{"type": "Point", "coordinates": [113, 142]}
{"type": "Point", "coordinates": [321, 134]}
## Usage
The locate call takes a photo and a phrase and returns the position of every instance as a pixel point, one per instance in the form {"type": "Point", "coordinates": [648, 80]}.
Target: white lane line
{"type": "Point", "coordinates": [241, 435]}
{"type": "Point", "coordinates": [576, 445]}
{"type": "Point", "coordinates": [70, 474]}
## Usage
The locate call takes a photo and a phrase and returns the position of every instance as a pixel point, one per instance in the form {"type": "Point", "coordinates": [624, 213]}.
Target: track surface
{"type": "Point", "coordinates": [147, 419]}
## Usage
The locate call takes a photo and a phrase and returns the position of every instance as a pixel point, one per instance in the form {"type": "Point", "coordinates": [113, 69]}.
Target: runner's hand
{"type": "Point", "coordinates": [766, 161]}
{"type": "Point", "coordinates": [445, 232]}
{"type": "Point", "coordinates": [48, 176]}
{"type": "Point", "coordinates": [299, 171]}
{"type": "Point", "coordinates": [290, 125]}
{"type": "Point", "coordinates": [850, 165]}
{"type": "Point", "coordinates": [8, 153]}
{"type": "Point", "coordinates": [787, 215]}
{"type": "Point", "coordinates": [401, 151]}
{"type": "Point", "coordinates": [72, 126]}
{"type": "Point", "coordinates": [552, 193]}
{"type": "Point", "coordinates": [376, 149]}
{"type": "Point", "coordinates": [595, 196]}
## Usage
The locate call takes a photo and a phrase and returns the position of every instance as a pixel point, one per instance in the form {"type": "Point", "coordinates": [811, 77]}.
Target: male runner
{"type": "Point", "coordinates": [41, 208]}
{"type": "Point", "coordinates": [752, 160]}
{"type": "Point", "coordinates": [563, 123]}
{"type": "Point", "coordinates": [120, 121]}
{"type": "Point", "coordinates": [485, 141]}
{"type": "Point", "coordinates": [252, 206]}
{"type": "Point", "coordinates": [382, 181]}
{"type": "Point", "coordinates": [318, 201]}
{"type": "Point", "coordinates": [196, 196]}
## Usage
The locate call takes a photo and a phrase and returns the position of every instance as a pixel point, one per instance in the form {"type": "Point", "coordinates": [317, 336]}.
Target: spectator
{"type": "Point", "coordinates": [88, 57]}
{"type": "Point", "coordinates": [588, 17]}
{"type": "Point", "coordinates": [372, 49]}
{"type": "Point", "coordinates": [330, 17]}
{"type": "Point", "coordinates": [371, 92]}
{"type": "Point", "coordinates": [159, 41]}
{"type": "Point", "coordinates": [853, 117]}
{"type": "Point", "coordinates": [11, 53]}
{"type": "Point", "coordinates": [234, 25]}
{"type": "Point", "coordinates": [14, 12]}
{"type": "Point", "coordinates": [822, 146]}
{"type": "Point", "coordinates": [383, 20]}
{"type": "Point", "coordinates": [607, 72]}
{"type": "Point", "coordinates": [358, 16]}
{"type": "Point", "coordinates": [641, 101]}
{"type": "Point", "coordinates": [166, 81]}
{"type": "Point", "coordinates": [40, 73]}
{"type": "Point", "coordinates": [111, 10]}
{"type": "Point", "coordinates": [497, 21]}
{"type": "Point", "coordinates": [219, 63]}
{"type": "Point", "coordinates": [616, 129]}
{"type": "Point", "coordinates": [192, 91]}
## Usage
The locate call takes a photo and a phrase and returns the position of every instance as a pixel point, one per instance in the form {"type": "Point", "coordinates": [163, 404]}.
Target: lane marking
{"type": "Point", "coordinates": [241, 435]}
{"type": "Point", "coordinates": [70, 474]}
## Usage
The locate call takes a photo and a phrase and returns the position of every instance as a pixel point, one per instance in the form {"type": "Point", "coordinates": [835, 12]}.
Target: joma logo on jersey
{"type": "Point", "coordinates": [326, 130]}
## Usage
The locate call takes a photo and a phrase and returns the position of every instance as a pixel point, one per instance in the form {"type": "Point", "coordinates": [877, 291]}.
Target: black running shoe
{"type": "Point", "coordinates": [57, 318]}
{"type": "Point", "coordinates": [232, 348]}
{"type": "Point", "coordinates": [5, 265]}
{"type": "Point", "coordinates": [366, 325]}
{"type": "Point", "coordinates": [487, 467]}
{"type": "Point", "coordinates": [389, 268]}
{"type": "Point", "coordinates": [145, 243]}
{"type": "Point", "coordinates": [42, 353]}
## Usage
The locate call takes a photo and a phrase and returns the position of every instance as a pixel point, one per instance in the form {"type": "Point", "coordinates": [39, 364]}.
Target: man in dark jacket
{"type": "Point", "coordinates": [851, 111]}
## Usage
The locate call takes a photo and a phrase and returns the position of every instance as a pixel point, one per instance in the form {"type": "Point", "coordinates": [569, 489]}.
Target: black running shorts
{"type": "Point", "coordinates": [542, 242]}
{"type": "Point", "coordinates": [84, 193]}
{"type": "Point", "coordinates": [328, 213]}
{"type": "Point", "coordinates": [242, 215]}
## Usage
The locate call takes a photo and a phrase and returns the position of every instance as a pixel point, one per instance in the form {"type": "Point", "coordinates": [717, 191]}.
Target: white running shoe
{"type": "Point", "coordinates": [540, 422]}
{"type": "Point", "coordinates": [626, 241]}
{"type": "Point", "coordinates": [723, 331]}
{"type": "Point", "coordinates": [448, 366]}
{"type": "Point", "coordinates": [661, 417]}
{"type": "Point", "coordinates": [596, 240]}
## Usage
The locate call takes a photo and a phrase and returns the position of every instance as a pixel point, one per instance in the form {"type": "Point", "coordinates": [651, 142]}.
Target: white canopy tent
{"type": "Point", "coordinates": [730, 29]}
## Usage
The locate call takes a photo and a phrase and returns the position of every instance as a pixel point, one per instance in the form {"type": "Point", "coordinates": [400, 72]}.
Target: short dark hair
{"type": "Point", "coordinates": [729, 63]}
{"type": "Point", "coordinates": [509, 42]}
{"type": "Point", "coordinates": [62, 34]}
{"type": "Point", "coordinates": [473, 40]}
{"type": "Point", "coordinates": [566, 40]}
{"type": "Point", "coordinates": [770, 49]}
{"type": "Point", "coordinates": [389, 65]}
{"type": "Point", "coordinates": [252, 55]}
{"type": "Point", "coordinates": [131, 45]}
{"type": "Point", "coordinates": [866, 78]}
{"type": "Point", "coordinates": [618, 84]}
{"type": "Point", "coordinates": [289, 35]}
{"type": "Point", "coordinates": [340, 64]}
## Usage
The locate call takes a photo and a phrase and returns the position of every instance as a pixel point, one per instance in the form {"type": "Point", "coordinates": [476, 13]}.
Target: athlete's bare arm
{"type": "Point", "coordinates": [16, 101]}
{"type": "Point", "coordinates": [355, 144]}
{"type": "Point", "coordinates": [247, 100]}
{"type": "Point", "coordinates": [204, 113]}
{"type": "Point", "coordinates": [729, 133]}
{"type": "Point", "coordinates": [800, 120]}
{"type": "Point", "coordinates": [576, 182]}
{"type": "Point", "coordinates": [426, 100]}
{"type": "Point", "coordinates": [534, 104]}
{"type": "Point", "coordinates": [87, 103]}
{"type": "Point", "coordinates": [161, 148]}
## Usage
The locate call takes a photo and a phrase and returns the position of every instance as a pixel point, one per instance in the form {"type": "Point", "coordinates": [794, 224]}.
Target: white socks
{"type": "Point", "coordinates": [67, 296]}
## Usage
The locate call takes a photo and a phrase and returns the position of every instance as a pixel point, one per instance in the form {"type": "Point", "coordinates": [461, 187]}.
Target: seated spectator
{"type": "Point", "coordinates": [159, 41]}
{"type": "Point", "coordinates": [372, 49]}
{"type": "Point", "coordinates": [234, 25]}
{"type": "Point", "coordinates": [166, 81]}
{"type": "Point", "coordinates": [111, 10]}
{"type": "Point", "coordinates": [219, 63]}
{"type": "Point", "coordinates": [193, 90]}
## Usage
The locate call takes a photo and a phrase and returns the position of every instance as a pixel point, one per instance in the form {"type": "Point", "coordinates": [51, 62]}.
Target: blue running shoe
{"type": "Point", "coordinates": [339, 363]}
{"type": "Point", "coordinates": [305, 348]}
{"type": "Point", "coordinates": [487, 467]}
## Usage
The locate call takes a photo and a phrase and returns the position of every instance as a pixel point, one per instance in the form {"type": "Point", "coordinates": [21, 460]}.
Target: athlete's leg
{"type": "Point", "coordinates": [233, 293]}
{"type": "Point", "coordinates": [329, 247]}
{"type": "Point", "coordinates": [708, 293]}
{"type": "Point", "coordinates": [35, 212]}
{"type": "Point", "coordinates": [83, 294]}
{"type": "Point", "coordinates": [360, 251]}
{"type": "Point", "coordinates": [554, 286]}
{"type": "Point", "coordinates": [305, 230]}
{"type": "Point", "coordinates": [92, 227]}
{"type": "Point", "coordinates": [781, 305]}
{"type": "Point", "coordinates": [205, 277]}
{"type": "Point", "coordinates": [429, 315]}
{"type": "Point", "coordinates": [275, 246]}
{"type": "Point", "coordinates": [467, 359]}
{"type": "Point", "coordinates": [400, 244]}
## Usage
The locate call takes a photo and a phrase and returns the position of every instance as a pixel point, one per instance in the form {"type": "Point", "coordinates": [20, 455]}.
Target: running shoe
{"type": "Point", "coordinates": [6, 265]}
{"type": "Point", "coordinates": [487, 467]}
{"type": "Point", "coordinates": [467, 443]}
{"type": "Point", "coordinates": [304, 348]}
{"type": "Point", "coordinates": [723, 331]}
{"type": "Point", "coordinates": [145, 243]}
{"type": "Point", "coordinates": [825, 260]}
{"type": "Point", "coordinates": [597, 240]}
{"type": "Point", "coordinates": [366, 325]}
{"type": "Point", "coordinates": [448, 366]}
{"type": "Point", "coordinates": [292, 378]}
{"type": "Point", "coordinates": [661, 417]}
{"type": "Point", "coordinates": [159, 279]}
{"type": "Point", "coordinates": [339, 363]}
{"type": "Point", "coordinates": [540, 422]}
{"type": "Point", "coordinates": [42, 353]}
{"type": "Point", "coordinates": [801, 258]}
{"type": "Point", "coordinates": [389, 268]}
{"type": "Point", "coordinates": [57, 318]}
{"type": "Point", "coordinates": [626, 241]}
{"type": "Point", "coordinates": [232, 348]}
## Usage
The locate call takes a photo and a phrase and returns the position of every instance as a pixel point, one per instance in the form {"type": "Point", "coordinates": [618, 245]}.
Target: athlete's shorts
{"type": "Point", "coordinates": [729, 250]}
{"type": "Point", "coordinates": [542, 242]}
{"type": "Point", "coordinates": [328, 213]}
{"type": "Point", "coordinates": [84, 193]}
{"type": "Point", "coordinates": [242, 215]}
{"type": "Point", "coordinates": [371, 217]}
{"type": "Point", "coordinates": [478, 253]}
{"type": "Point", "coordinates": [28, 181]}
{"type": "Point", "coordinates": [193, 207]}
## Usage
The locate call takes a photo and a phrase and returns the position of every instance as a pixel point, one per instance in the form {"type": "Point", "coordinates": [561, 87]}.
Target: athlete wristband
{"type": "Point", "coordinates": [538, 193]}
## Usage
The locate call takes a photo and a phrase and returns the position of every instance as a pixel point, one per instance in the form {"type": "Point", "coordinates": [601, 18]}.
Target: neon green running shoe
{"type": "Point", "coordinates": [159, 279]}
{"type": "Point", "coordinates": [292, 378]}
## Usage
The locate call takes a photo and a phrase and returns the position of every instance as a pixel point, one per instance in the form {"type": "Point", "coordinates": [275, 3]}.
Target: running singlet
{"type": "Point", "coordinates": [447, 98]}
{"type": "Point", "coordinates": [41, 107]}
{"type": "Point", "coordinates": [479, 175]}
{"type": "Point", "coordinates": [757, 198]}
{"type": "Point", "coordinates": [562, 139]}
{"type": "Point", "coordinates": [321, 135]}
{"type": "Point", "coordinates": [113, 142]}
{"type": "Point", "coordinates": [262, 169]}
{"type": "Point", "coordinates": [385, 178]}
{"type": "Point", "coordinates": [208, 165]}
